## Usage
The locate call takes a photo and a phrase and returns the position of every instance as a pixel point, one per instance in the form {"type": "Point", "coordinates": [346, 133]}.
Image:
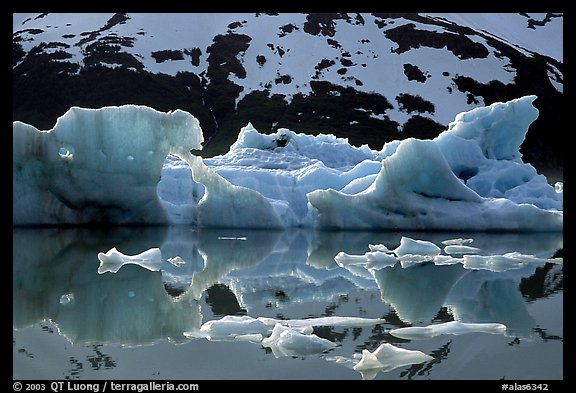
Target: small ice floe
{"type": "Point", "coordinates": [323, 321]}
{"type": "Point", "coordinates": [285, 341]}
{"type": "Point", "coordinates": [343, 259]}
{"type": "Point", "coordinates": [453, 327]}
{"type": "Point", "coordinates": [500, 263]}
{"type": "Point", "coordinates": [370, 260]}
{"type": "Point", "coordinates": [414, 247]}
{"type": "Point", "coordinates": [231, 327]}
{"type": "Point", "coordinates": [387, 357]}
{"type": "Point", "coordinates": [255, 338]}
{"type": "Point", "coordinates": [113, 260]}
{"type": "Point", "coordinates": [176, 261]}
{"type": "Point", "coordinates": [458, 249]}
{"type": "Point", "coordinates": [150, 259]}
{"type": "Point", "coordinates": [456, 242]}
{"type": "Point", "coordinates": [408, 260]}
{"type": "Point", "coordinates": [379, 247]}
{"type": "Point", "coordinates": [532, 258]}
{"type": "Point", "coordinates": [440, 260]}
{"type": "Point", "coordinates": [379, 259]}
{"type": "Point", "coordinates": [411, 251]}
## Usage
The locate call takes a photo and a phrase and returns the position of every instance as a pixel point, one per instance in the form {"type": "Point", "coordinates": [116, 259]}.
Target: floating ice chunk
{"type": "Point", "coordinates": [499, 263]}
{"type": "Point", "coordinates": [335, 321]}
{"type": "Point", "coordinates": [323, 321]}
{"type": "Point", "coordinates": [249, 337]}
{"type": "Point", "coordinates": [531, 258]}
{"type": "Point", "coordinates": [379, 260]}
{"type": "Point", "coordinates": [286, 341]}
{"type": "Point", "coordinates": [370, 260]}
{"type": "Point", "coordinates": [408, 260]}
{"type": "Point", "coordinates": [113, 260]}
{"type": "Point", "coordinates": [446, 260]}
{"type": "Point", "coordinates": [387, 357]}
{"type": "Point", "coordinates": [343, 259]}
{"type": "Point", "coordinates": [231, 326]}
{"type": "Point", "coordinates": [176, 261]}
{"type": "Point", "coordinates": [457, 242]}
{"type": "Point", "coordinates": [272, 322]}
{"type": "Point", "coordinates": [379, 247]}
{"type": "Point", "coordinates": [457, 249]}
{"type": "Point", "coordinates": [414, 247]}
{"type": "Point", "coordinates": [413, 251]}
{"type": "Point", "coordinates": [495, 263]}
{"type": "Point", "coordinates": [453, 327]}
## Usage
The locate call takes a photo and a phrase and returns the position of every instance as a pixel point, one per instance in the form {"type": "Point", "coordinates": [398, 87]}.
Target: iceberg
{"type": "Point", "coordinates": [133, 165]}
{"type": "Point", "coordinates": [97, 165]}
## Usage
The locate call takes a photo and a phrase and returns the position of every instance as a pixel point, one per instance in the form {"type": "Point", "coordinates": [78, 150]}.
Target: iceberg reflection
{"type": "Point", "coordinates": [56, 277]}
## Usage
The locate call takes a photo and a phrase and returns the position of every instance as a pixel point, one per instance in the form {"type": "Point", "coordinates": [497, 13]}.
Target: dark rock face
{"type": "Point", "coordinates": [328, 90]}
{"type": "Point", "coordinates": [413, 73]}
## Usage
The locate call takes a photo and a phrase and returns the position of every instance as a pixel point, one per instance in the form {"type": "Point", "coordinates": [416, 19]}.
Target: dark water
{"type": "Point", "coordinates": [70, 322]}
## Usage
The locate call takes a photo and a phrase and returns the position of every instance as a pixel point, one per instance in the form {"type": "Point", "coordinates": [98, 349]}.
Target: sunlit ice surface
{"type": "Point", "coordinates": [133, 165]}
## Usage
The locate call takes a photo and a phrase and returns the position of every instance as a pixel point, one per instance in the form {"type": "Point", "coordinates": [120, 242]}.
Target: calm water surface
{"type": "Point", "coordinates": [72, 322]}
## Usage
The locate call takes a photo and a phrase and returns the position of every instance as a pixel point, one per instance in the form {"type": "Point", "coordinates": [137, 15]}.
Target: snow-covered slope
{"type": "Point", "coordinates": [362, 76]}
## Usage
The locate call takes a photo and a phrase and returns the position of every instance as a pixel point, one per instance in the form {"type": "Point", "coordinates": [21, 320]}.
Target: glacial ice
{"type": "Point", "coordinates": [386, 358]}
{"type": "Point", "coordinates": [97, 165]}
{"type": "Point", "coordinates": [132, 165]}
{"type": "Point", "coordinates": [232, 326]}
{"type": "Point", "coordinates": [58, 281]}
{"type": "Point", "coordinates": [452, 327]}
{"type": "Point", "coordinates": [286, 341]}
{"type": "Point", "coordinates": [113, 260]}
{"type": "Point", "coordinates": [413, 251]}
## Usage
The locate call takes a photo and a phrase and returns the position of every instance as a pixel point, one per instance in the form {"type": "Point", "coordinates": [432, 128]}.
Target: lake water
{"type": "Point", "coordinates": [72, 322]}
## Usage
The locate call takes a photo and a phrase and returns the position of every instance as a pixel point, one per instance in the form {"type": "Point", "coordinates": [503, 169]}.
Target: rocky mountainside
{"type": "Point", "coordinates": [369, 77]}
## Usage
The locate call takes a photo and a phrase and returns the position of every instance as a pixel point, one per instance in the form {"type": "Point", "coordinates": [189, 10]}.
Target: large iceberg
{"type": "Point", "coordinates": [97, 165]}
{"type": "Point", "coordinates": [133, 165]}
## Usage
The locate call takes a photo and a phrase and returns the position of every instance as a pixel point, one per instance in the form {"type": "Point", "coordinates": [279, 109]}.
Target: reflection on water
{"type": "Point", "coordinates": [287, 274]}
